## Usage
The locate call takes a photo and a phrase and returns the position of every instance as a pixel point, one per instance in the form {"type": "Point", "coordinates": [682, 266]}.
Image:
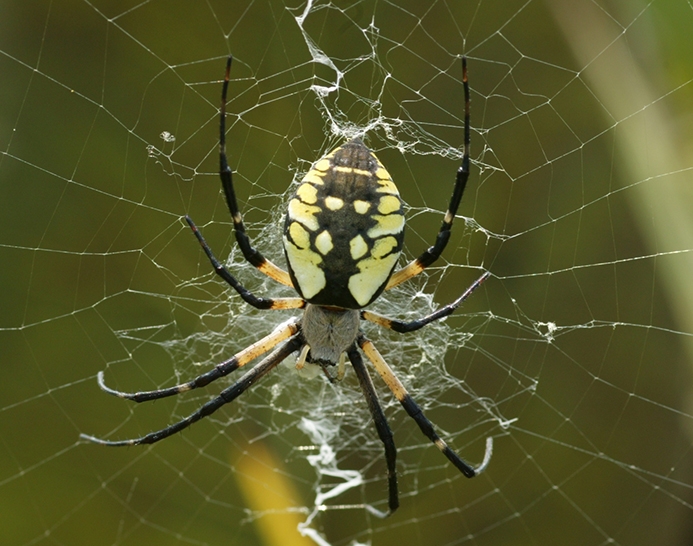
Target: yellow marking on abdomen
{"type": "Point", "coordinates": [323, 164]}
{"type": "Point", "coordinates": [323, 242]}
{"type": "Point", "coordinates": [383, 247]}
{"type": "Point", "coordinates": [357, 247]}
{"type": "Point", "coordinates": [361, 207]}
{"type": "Point", "coordinates": [305, 265]}
{"type": "Point", "coordinates": [388, 204]}
{"type": "Point", "coordinates": [299, 235]}
{"type": "Point", "coordinates": [373, 272]}
{"type": "Point", "coordinates": [392, 224]}
{"type": "Point", "coordinates": [308, 193]}
{"type": "Point", "coordinates": [350, 170]}
{"type": "Point", "coordinates": [387, 186]}
{"type": "Point", "coordinates": [334, 203]}
{"type": "Point", "coordinates": [303, 213]}
{"type": "Point", "coordinates": [382, 173]}
{"type": "Point", "coordinates": [314, 177]}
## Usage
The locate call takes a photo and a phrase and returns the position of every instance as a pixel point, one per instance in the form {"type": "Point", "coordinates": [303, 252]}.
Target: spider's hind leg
{"type": "Point", "coordinates": [250, 353]}
{"type": "Point", "coordinates": [415, 412]}
{"type": "Point", "coordinates": [226, 396]}
{"type": "Point", "coordinates": [381, 425]}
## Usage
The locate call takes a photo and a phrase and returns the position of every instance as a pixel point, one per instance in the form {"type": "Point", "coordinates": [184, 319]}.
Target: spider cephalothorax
{"type": "Point", "coordinates": [343, 236]}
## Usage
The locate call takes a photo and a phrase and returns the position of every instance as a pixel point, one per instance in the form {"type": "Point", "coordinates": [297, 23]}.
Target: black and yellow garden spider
{"type": "Point", "coordinates": [343, 235]}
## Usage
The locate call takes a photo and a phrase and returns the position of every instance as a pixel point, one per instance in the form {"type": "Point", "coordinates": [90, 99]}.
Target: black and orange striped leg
{"type": "Point", "coordinates": [226, 175]}
{"type": "Point", "coordinates": [266, 344]}
{"type": "Point", "coordinates": [247, 295]}
{"type": "Point", "coordinates": [404, 327]}
{"type": "Point", "coordinates": [433, 253]}
{"type": "Point", "coordinates": [415, 412]}
{"type": "Point", "coordinates": [226, 396]}
{"type": "Point", "coordinates": [384, 431]}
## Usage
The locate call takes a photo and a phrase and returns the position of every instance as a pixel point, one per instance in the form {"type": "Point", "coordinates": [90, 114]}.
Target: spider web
{"type": "Point", "coordinates": [574, 356]}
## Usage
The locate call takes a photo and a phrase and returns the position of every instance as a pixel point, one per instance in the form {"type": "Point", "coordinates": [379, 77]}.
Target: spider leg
{"type": "Point", "coordinates": [384, 431]}
{"type": "Point", "coordinates": [403, 327]}
{"type": "Point", "coordinates": [415, 412]}
{"type": "Point", "coordinates": [247, 295]}
{"type": "Point", "coordinates": [227, 395]}
{"type": "Point", "coordinates": [226, 175]}
{"type": "Point", "coordinates": [433, 253]}
{"type": "Point", "coordinates": [267, 343]}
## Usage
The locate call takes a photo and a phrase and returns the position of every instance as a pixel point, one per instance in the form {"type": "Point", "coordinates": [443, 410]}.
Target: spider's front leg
{"type": "Point", "coordinates": [247, 295]}
{"type": "Point", "coordinates": [433, 253]}
{"type": "Point", "coordinates": [251, 254]}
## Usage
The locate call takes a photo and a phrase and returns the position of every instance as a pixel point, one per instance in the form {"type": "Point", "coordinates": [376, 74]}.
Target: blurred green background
{"type": "Point", "coordinates": [581, 194]}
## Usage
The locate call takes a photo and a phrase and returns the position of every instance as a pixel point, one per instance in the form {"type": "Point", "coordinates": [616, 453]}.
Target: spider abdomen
{"type": "Point", "coordinates": [344, 229]}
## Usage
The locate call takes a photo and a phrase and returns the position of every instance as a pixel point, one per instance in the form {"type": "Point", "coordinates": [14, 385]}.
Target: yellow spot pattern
{"type": "Point", "coordinates": [310, 278]}
{"type": "Point", "coordinates": [308, 193]}
{"type": "Point", "coordinates": [387, 186]}
{"type": "Point", "coordinates": [358, 247]}
{"type": "Point", "coordinates": [391, 224]}
{"type": "Point", "coordinates": [388, 204]}
{"type": "Point", "coordinates": [323, 164]}
{"type": "Point", "coordinates": [299, 235]}
{"type": "Point", "coordinates": [313, 177]}
{"type": "Point", "coordinates": [323, 242]}
{"type": "Point", "coordinates": [351, 170]}
{"type": "Point", "coordinates": [303, 213]}
{"type": "Point", "coordinates": [361, 207]}
{"type": "Point", "coordinates": [382, 173]}
{"type": "Point", "coordinates": [383, 246]}
{"type": "Point", "coordinates": [374, 253]}
{"type": "Point", "coordinates": [333, 203]}
{"type": "Point", "coordinates": [364, 284]}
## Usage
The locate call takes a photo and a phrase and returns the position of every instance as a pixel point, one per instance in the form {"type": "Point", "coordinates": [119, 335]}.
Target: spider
{"type": "Point", "coordinates": [343, 235]}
